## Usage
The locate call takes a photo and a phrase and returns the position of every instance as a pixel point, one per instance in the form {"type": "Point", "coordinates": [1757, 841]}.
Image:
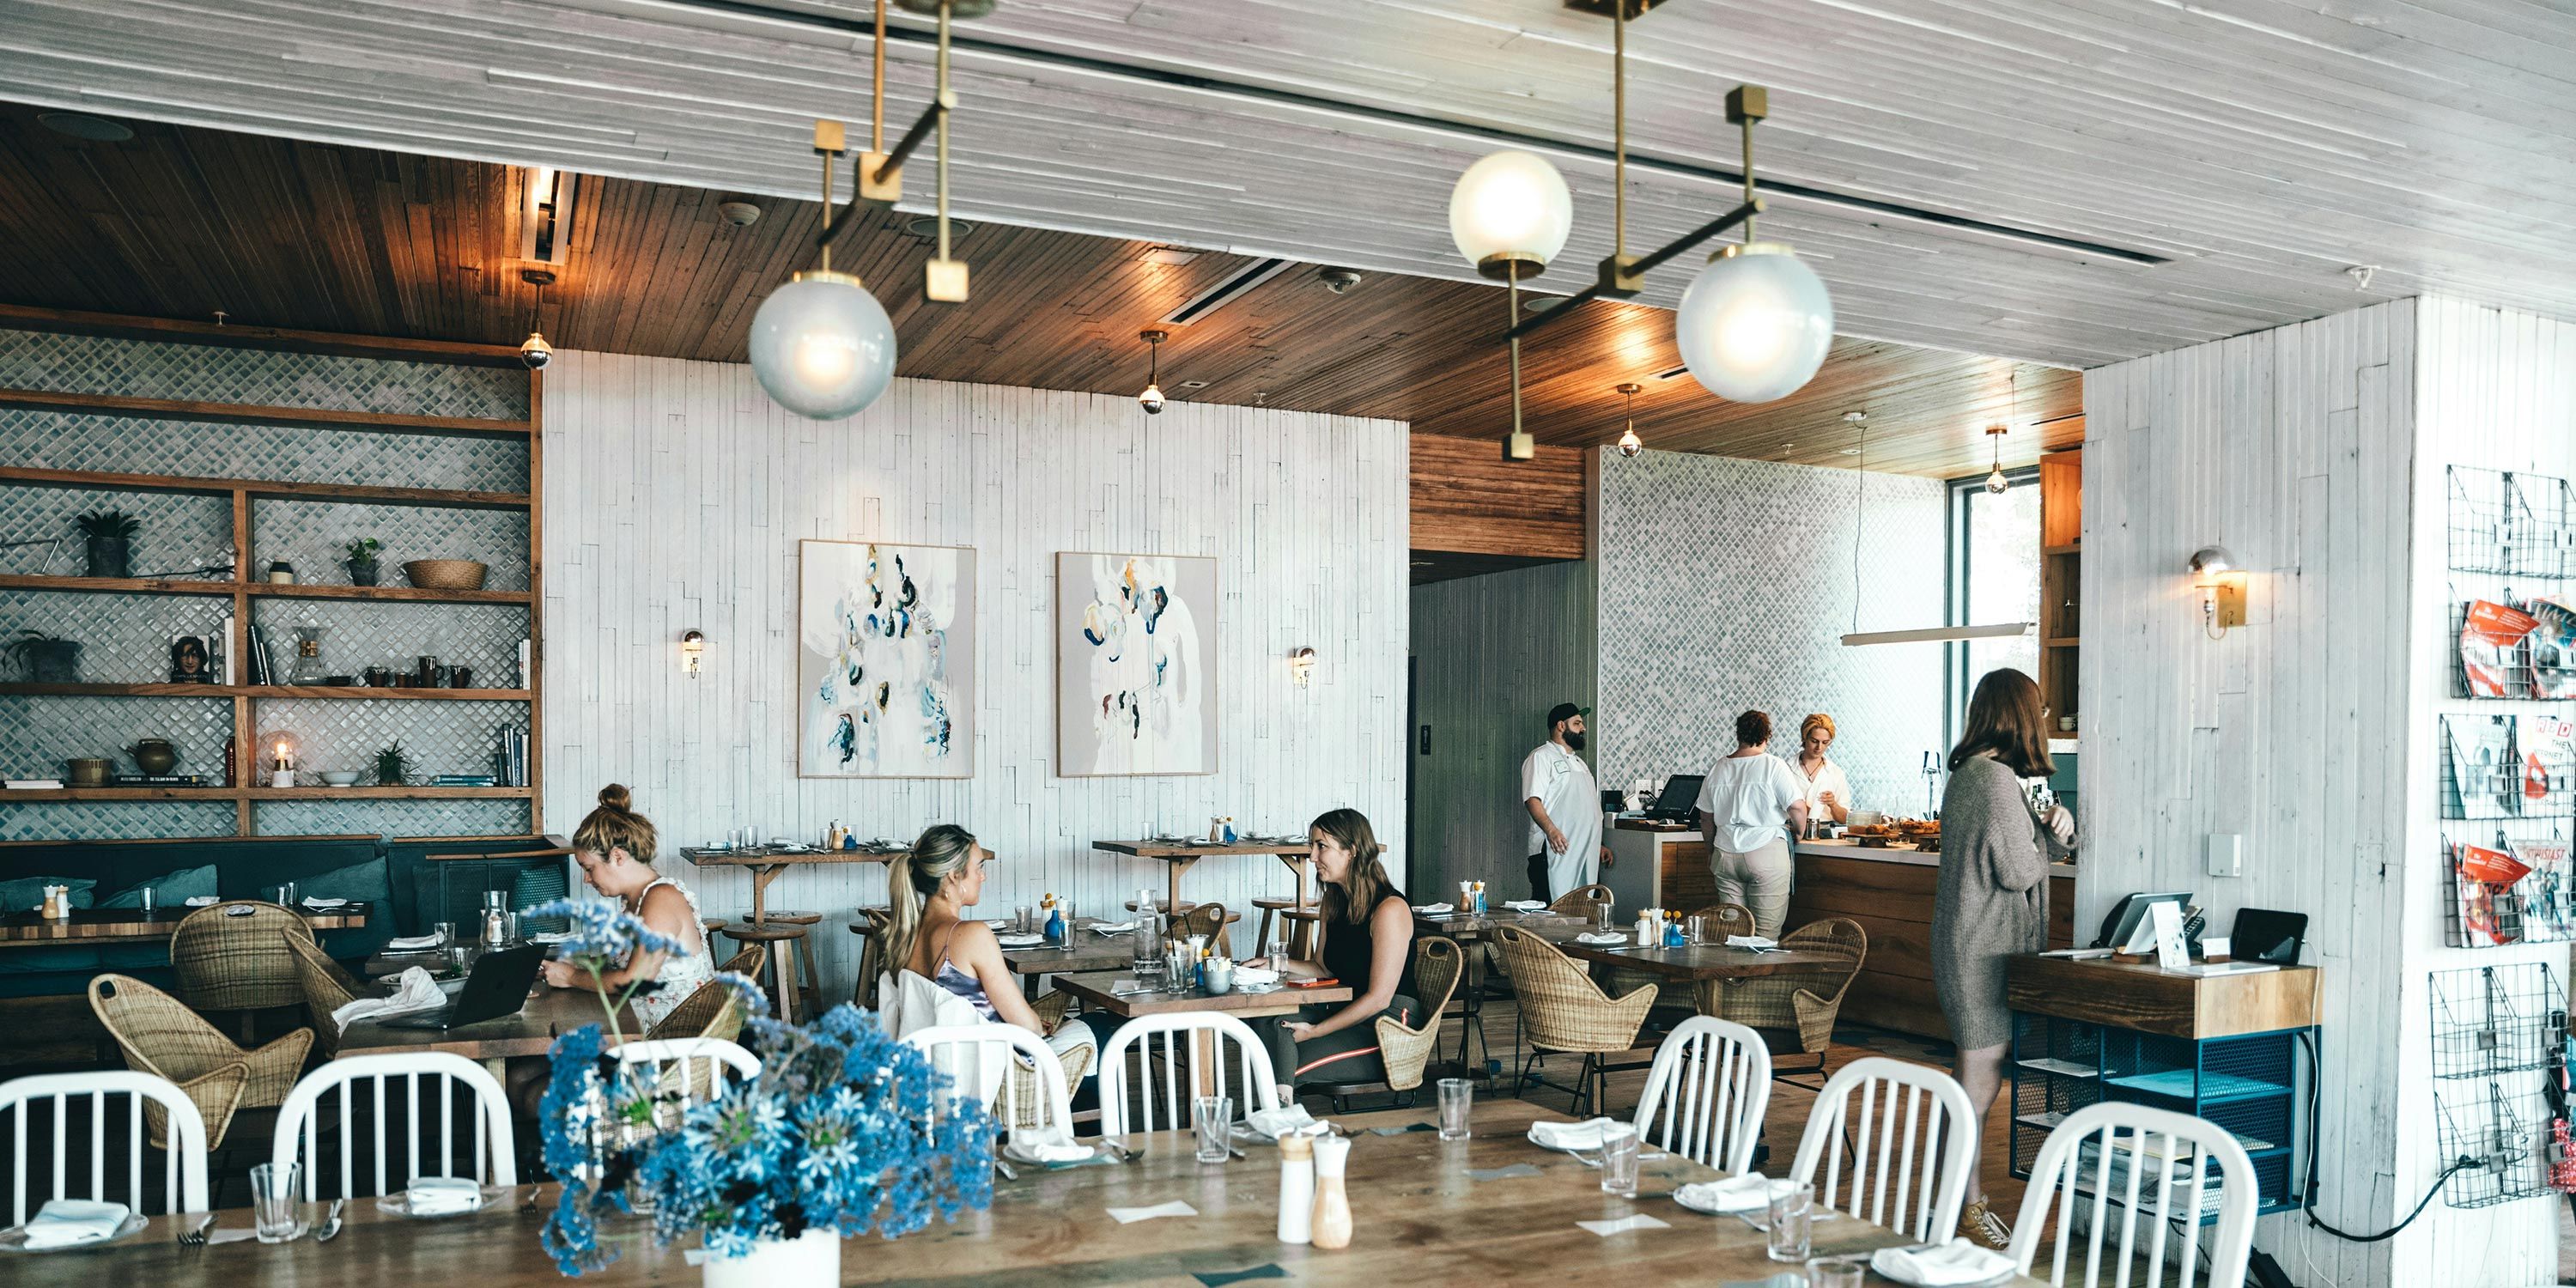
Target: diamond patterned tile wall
{"type": "Point", "coordinates": [439, 737]}
{"type": "Point", "coordinates": [57, 820]}
{"type": "Point", "coordinates": [270, 453]}
{"type": "Point", "coordinates": [391, 818]}
{"type": "Point", "coordinates": [313, 536]}
{"type": "Point", "coordinates": [48, 731]}
{"type": "Point", "coordinates": [149, 369]}
{"type": "Point", "coordinates": [124, 639]}
{"type": "Point", "coordinates": [1727, 584]}
{"type": "Point", "coordinates": [357, 635]}
{"type": "Point", "coordinates": [175, 532]}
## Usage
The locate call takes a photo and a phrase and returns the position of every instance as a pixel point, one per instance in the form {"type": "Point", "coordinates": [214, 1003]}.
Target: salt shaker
{"type": "Point", "coordinates": [1296, 1189]}
{"type": "Point", "coordinates": [1332, 1219]}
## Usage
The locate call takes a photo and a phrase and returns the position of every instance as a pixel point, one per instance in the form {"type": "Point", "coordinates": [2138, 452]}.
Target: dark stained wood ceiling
{"type": "Point", "coordinates": [181, 222]}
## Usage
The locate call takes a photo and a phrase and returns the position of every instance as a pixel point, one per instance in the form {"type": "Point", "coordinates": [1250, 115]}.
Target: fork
{"type": "Point", "coordinates": [197, 1238]}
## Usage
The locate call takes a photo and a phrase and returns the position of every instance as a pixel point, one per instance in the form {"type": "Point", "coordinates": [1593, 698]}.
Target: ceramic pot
{"type": "Point", "coordinates": [111, 557]}
{"type": "Point", "coordinates": [810, 1261]}
{"type": "Point", "coordinates": [88, 772]}
{"type": "Point", "coordinates": [362, 574]}
{"type": "Point", "coordinates": [154, 755]}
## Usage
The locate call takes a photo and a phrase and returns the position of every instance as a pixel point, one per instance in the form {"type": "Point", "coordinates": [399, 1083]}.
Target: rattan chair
{"type": "Point", "coordinates": [1726, 919]}
{"type": "Point", "coordinates": [748, 963]}
{"type": "Point", "coordinates": [228, 962]}
{"type": "Point", "coordinates": [1580, 901]}
{"type": "Point", "coordinates": [161, 1036]}
{"type": "Point", "coordinates": [1723, 919]}
{"type": "Point", "coordinates": [1206, 919]}
{"type": "Point", "coordinates": [327, 988]}
{"type": "Point", "coordinates": [709, 1011]}
{"type": "Point", "coordinates": [1406, 1050]}
{"type": "Point", "coordinates": [1794, 1011]}
{"type": "Point", "coordinates": [1563, 1010]}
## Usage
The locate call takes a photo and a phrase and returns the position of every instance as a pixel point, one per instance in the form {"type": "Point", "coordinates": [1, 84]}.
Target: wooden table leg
{"type": "Point", "coordinates": [760, 878]}
{"type": "Point", "coordinates": [1175, 867]}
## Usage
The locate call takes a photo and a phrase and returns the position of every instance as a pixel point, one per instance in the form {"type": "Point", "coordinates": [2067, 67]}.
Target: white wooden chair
{"type": "Point", "coordinates": [298, 1120]}
{"type": "Point", "coordinates": [1710, 1084]}
{"type": "Point", "coordinates": [184, 1180]}
{"type": "Point", "coordinates": [979, 1058]}
{"type": "Point", "coordinates": [689, 1066]}
{"type": "Point", "coordinates": [1912, 1141]}
{"type": "Point", "coordinates": [2092, 1158]}
{"type": "Point", "coordinates": [1194, 1041]}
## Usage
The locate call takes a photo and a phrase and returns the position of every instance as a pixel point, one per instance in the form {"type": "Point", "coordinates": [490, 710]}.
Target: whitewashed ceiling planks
{"type": "Point", "coordinates": [2258, 151]}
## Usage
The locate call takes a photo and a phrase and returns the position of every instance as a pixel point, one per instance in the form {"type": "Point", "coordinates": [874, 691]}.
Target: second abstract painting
{"type": "Point", "coordinates": [1135, 664]}
{"type": "Point", "coordinates": [885, 661]}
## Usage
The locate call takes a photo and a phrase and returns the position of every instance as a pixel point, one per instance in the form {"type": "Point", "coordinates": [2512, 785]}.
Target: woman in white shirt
{"type": "Point", "coordinates": [1827, 792]}
{"type": "Point", "coordinates": [1748, 799]}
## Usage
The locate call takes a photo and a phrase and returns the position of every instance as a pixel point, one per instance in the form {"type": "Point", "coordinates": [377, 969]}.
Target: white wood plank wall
{"type": "Point", "coordinates": [2291, 448]}
{"type": "Point", "coordinates": [676, 493]}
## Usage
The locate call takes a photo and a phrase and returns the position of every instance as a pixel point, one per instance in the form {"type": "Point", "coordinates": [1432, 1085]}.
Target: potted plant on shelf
{"type": "Point", "coordinates": [45, 659]}
{"type": "Point", "coordinates": [836, 1137]}
{"type": "Point", "coordinates": [111, 541]}
{"type": "Point", "coordinates": [362, 561]}
{"type": "Point", "coordinates": [392, 765]}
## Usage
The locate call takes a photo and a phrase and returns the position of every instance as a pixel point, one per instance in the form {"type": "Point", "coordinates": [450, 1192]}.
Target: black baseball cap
{"type": "Point", "coordinates": [1565, 711]}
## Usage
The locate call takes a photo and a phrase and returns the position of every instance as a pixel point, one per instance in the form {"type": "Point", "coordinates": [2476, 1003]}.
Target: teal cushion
{"type": "Point", "coordinates": [169, 890]}
{"type": "Point", "coordinates": [536, 885]}
{"type": "Point", "coordinates": [26, 894]}
{"type": "Point", "coordinates": [365, 882]}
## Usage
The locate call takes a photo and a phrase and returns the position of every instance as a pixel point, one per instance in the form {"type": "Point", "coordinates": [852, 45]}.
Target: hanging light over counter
{"type": "Point", "coordinates": [1629, 443]}
{"type": "Point", "coordinates": [1152, 399]}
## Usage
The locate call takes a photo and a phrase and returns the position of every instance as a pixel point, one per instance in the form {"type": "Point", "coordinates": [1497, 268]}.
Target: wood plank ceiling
{"type": "Point", "coordinates": [2063, 181]}
{"type": "Point", "coordinates": [181, 221]}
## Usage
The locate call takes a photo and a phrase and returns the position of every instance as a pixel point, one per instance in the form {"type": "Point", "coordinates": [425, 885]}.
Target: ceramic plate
{"type": "Point", "coordinates": [399, 1203]}
{"type": "Point", "coordinates": [14, 1239]}
{"type": "Point", "coordinates": [1996, 1282]}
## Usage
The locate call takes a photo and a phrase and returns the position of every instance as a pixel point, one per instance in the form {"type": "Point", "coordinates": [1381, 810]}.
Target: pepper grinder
{"type": "Point", "coordinates": [1331, 1224]}
{"type": "Point", "coordinates": [1296, 1189]}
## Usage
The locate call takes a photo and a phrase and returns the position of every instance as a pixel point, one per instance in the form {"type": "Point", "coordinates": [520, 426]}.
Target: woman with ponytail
{"type": "Point", "coordinates": [615, 847]}
{"type": "Point", "coordinates": [1367, 944]}
{"type": "Point", "coordinates": [939, 959]}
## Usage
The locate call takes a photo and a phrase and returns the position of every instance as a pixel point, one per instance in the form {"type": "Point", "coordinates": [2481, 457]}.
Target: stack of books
{"type": "Point", "coordinates": [33, 784]}
{"type": "Point", "coordinates": [510, 757]}
{"type": "Point", "coordinates": [160, 780]}
{"type": "Point", "coordinates": [464, 780]}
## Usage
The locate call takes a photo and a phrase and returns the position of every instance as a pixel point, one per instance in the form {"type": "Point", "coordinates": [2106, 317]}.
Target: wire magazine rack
{"type": "Point", "coordinates": [2496, 1030]}
{"type": "Point", "coordinates": [2511, 524]}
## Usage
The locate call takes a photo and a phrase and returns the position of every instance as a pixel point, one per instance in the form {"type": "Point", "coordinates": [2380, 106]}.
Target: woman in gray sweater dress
{"type": "Point", "coordinates": [1992, 900]}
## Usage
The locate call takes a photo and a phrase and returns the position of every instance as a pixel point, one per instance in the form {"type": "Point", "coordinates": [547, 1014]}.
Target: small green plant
{"type": "Point", "coordinates": [392, 765]}
{"type": "Point", "coordinates": [111, 524]}
{"type": "Point", "coordinates": [44, 658]}
{"type": "Point", "coordinates": [363, 550]}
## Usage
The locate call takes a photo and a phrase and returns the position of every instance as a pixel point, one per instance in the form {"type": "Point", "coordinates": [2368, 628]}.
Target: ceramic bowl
{"type": "Point", "coordinates": [340, 777]}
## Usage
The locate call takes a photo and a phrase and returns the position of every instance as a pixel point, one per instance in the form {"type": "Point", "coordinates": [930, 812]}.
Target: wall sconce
{"type": "Point", "coordinates": [1301, 665]}
{"type": "Point", "coordinates": [2222, 589]}
{"type": "Point", "coordinates": [693, 650]}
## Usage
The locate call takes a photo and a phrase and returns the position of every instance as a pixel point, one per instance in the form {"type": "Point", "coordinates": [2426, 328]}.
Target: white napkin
{"type": "Point", "coordinates": [1017, 940]}
{"type": "Point", "coordinates": [443, 1195]}
{"type": "Point", "coordinates": [1275, 1123]}
{"type": "Point", "coordinates": [1523, 905]}
{"type": "Point", "coordinates": [1953, 1263]}
{"type": "Point", "coordinates": [1622, 1225]}
{"type": "Point", "coordinates": [1254, 976]}
{"type": "Point", "coordinates": [550, 937]}
{"type": "Point", "coordinates": [415, 991]}
{"type": "Point", "coordinates": [1751, 941]}
{"type": "Point", "coordinates": [1114, 927]}
{"type": "Point", "coordinates": [1128, 1216]}
{"type": "Point", "coordinates": [205, 901]}
{"type": "Point", "coordinates": [1582, 1135]}
{"type": "Point", "coordinates": [1057, 1147]}
{"type": "Point", "coordinates": [413, 944]}
{"type": "Point", "coordinates": [1432, 909]}
{"type": "Point", "coordinates": [64, 1222]}
{"type": "Point", "coordinates": [1600, 937]}
{"type": "Point", "coordinates": [1745, 1193]}
{"type": "Point", "coordinates": [323, 903]}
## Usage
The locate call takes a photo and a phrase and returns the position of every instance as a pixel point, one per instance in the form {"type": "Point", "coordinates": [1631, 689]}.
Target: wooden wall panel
{"type": "Point", "coordinates": [1467, 499]}
{"type": "Point", "coordinates": [676, 493]}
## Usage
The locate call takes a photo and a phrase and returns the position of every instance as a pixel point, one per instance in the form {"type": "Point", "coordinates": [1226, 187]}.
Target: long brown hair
{"type": "Point", "coordinates": [616, 826]}
{"type": "Point", "coordinates": [2006, 718]}
{"type": "Point", "coordinates": [1350, 829]}
{"type": "Point", "coordinates": [942, 851]}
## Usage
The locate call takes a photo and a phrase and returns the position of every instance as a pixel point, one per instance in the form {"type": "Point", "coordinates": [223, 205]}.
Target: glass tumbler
{"type": "Point", "coordinates": [151, 897]}
{"type": "Point", "coordinates": [1457, 1097]}
{"type": "Point", "coordinates": [1181, 967]}
{"type": "Point", "coordinates": [1697, 929]}
{"type": "Point", "coordinates": [1837, 1272]}
{"type": "Point", "coordinates": [1027, 920]}
{"type": "Point", "coordinates": [1214, 1116]}
{"type": "Point", "coordinates": [272, 1200]}
{"type": "Point", "coordinates": [1619, 1149]}
{"type": "Point", "coordinates": [1793, 1209]}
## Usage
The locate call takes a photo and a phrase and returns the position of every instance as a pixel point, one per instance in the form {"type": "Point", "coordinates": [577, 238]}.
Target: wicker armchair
{"type": "Point", "coordinates": [1726, 919]}
{"type": "Point", "coordinates": [238, 963]}
{"type": "Point", "coordinates": [748, 963]}
{"type": "Point", "coordinates": [1723, 919]}
{"type": "Point", "coordinates": [1207, 919]}
{"type": "Point", "coordinates": [1438, 963]}
{"type": "Point", "coordinates": [162, 1037]}
{"type": "Point", "coordinates": [1580, 901]}
{"type": "Point", "coordinates": [709, 1011]}
{"type": "Point", "coordinates": [1794, 1012]}
{"type": "Point", "coordinates": [1562, 1010]}
{"type": "Point", "coordinates": [327, 988]}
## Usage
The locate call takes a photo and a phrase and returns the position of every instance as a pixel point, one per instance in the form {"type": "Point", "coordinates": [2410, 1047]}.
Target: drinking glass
{"type": "Point", "coordinates": [151, 897]}
{"type": "Point", "coordinates": [1793, 1211]}
{"type": "Point", "coordinates": [1071, 940]}
{"type": "Point", "coordinates": [1180, 966]}
{"type": "Point", "coordinates": [1027, 921]}
{"type": "Point", "coordinates": [460, 957]}
{"type": "Point", "coordinates": [1149, 947]}
{"type": "Point", "coordinates": [1601, 916]}
{"type": "Point", "coordinates": [1619, 1160]}
{"type": "Point", "coordinates": [510, 927]}
{"type": "Point", "coordinates": [1836, 1272]}
{"type": "Point", "coordinates": [1457, 1096]}
{"type": "Point", "coordinates": [446, 932]}
{"type": "Point", "coordinates": [272, 1200]}
{"type": "Point", "coordinates": [1697, 929]}
{"type": "Point", "coordinates": [1215, 1117]}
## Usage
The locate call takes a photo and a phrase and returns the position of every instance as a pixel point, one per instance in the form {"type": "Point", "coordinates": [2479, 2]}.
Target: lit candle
{"type": "Point", "coordinates": [281, 753]}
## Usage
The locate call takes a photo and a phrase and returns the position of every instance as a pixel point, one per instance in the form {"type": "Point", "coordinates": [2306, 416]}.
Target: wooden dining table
{"type": "Point", "coordinates": [1416, 1209]}
{"type": "Point", "coordinates": [132, 925]}
{"type": "Point", "coordinates": [766, 863]}
{"type": "Point", "coordinates": [529, 1031]}
{"type": "Point", "coordinates": [1706, 967]}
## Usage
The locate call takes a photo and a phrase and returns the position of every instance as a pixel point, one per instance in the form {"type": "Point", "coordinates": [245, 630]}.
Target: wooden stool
{"type": "Point", "coordinates": [1301, 925]}
{"type": "Point", "coordinates": [781, 938]}
{"type": "Point", "coordinates": [870, 929]}
{"type": "Point", "coordinates": [813, 994]}
{"type": "Point", "coordinates": [711, 927]}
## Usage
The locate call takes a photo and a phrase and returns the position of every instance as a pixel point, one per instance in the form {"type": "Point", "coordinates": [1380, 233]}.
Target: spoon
{"type": "Point", "coordinates": [330, 1224]}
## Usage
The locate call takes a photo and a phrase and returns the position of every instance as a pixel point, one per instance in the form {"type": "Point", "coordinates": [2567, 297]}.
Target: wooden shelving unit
{"type": "Point", "coordinates": [2061, 579]}
{"type": "Point", "coordinates": [244, 495]}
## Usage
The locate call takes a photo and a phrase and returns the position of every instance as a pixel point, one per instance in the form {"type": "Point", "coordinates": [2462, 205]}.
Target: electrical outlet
{"type": "Point", "coordinates": [2226, 855]}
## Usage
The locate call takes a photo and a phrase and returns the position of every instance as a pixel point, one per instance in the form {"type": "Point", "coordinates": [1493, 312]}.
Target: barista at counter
{"type": "Point", "coordinates": [1743, 806]}
{"type": "Point", "coordinates": [1827, 792]}
{"type": "Point", "coordinates": [1564, 808]}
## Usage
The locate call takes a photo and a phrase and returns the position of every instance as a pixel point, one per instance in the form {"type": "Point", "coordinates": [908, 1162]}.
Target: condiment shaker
{"type": "Point", "coordinates": [1296, 1189]}
{"type": "Point", "coordinates": [1332, 1219]}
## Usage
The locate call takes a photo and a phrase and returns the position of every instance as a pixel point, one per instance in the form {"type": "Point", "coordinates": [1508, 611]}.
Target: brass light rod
{"type": "Point", "coordinates": [914, 137]}
{"type": "Point", "coordinates": [1670, 250]}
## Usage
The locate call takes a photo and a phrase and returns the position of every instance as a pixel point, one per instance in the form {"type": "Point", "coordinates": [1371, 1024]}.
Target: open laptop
{"type": "Point", "coordinates": [498, 986]}
{"type": "Point", "coordinates": [2129, 927]}
{"type": "Point", "coordinates": [1679, 797]}
{"type": "Point", "coordinates": [2266, 935]}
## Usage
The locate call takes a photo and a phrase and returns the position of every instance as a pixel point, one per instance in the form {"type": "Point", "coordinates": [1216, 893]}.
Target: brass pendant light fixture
{"type": "Point", "coordinates": [1754, 325]}
{"type": "Point", "coordinates": [1996, 482]}
{"type": "Point", "coordinates": [1629, 443]}
{"type": "Point", "coordinates": [1152, 399]}
{"type": "Point", "coordinates": [534, 350]}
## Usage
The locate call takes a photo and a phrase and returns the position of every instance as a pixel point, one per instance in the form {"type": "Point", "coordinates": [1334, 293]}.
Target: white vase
{"type": "Point", "coordinates": [811, 1260]}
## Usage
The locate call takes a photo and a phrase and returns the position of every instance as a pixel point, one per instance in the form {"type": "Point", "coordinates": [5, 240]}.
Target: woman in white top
{"type": "Point", "coordinates": [1827, 793]}
{"type": "Point", "coordinates": [615, 847]}
{"type": "Point", "coordinates": [1748, 799]}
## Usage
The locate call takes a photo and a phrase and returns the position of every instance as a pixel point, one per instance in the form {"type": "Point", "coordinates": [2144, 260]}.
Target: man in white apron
{"type": "Point", "coordinates": [1564, 808]}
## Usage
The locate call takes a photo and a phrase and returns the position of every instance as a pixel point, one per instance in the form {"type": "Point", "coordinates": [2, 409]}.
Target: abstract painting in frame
{"type": "Point", "coordinates": [885, 661]}
{"type": "Point", "coordinates": [1135, 664]}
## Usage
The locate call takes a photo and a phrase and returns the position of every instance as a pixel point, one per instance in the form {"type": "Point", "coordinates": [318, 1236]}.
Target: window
{"type": "Point", "coordinates": [1994, 577]}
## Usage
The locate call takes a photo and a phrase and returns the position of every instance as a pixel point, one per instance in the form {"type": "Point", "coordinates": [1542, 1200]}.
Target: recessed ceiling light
{"type": "Point", "coordinates": [1193, 384]}
{"type": "Point", "coordinates": [1169, 255]}
{"type": "Point", "coordinates": [926, 227]}
{"type": "Point", "coordinates": [83, 126]}
{"type": "Point", "coordinates": [1851, 451]}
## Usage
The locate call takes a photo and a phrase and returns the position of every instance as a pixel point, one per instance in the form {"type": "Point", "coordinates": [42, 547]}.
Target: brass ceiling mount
{"type": "Point", "coordinates": [1604, 8]}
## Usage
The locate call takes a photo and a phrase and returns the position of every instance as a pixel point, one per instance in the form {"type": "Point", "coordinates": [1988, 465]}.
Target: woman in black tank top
{"type": "Point", "coordinates": [1367, 944]}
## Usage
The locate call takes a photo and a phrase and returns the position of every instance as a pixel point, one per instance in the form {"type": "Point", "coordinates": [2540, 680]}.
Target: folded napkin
{"type": "Point", "coordinates": [1582, 1135]}
{"type": "Point", "coordinates": [1254, 976]}
{"type": "Point", "coordinates": [323, 903]}
{"type": "Point", "coordinates": [1751, 941]}
{"type": "Point", "coordinates": [1129, 1215]}
{"type": "Point", "coordinates": [1523, 905]}
{"type": "Point", "coordinates": [549, 937]}
{"type": "Point", "coordinates": [1622, 1225]}
{"type": "Point", "coordinates": [443, 1195]}
{"type": "Point", "coordinates": [64, 1222]}
{"type": "Point", "coordinates": [1113, 927]}
{"type": "Point", "coordinates": [1030, 1147]}
{"type": "Point", "coordinates": [1432, 909]}
{"type": "Point", "coordinates": [1746, 1193]}
{"type": "Point", "coordinates": [1275, 1123]}
{"type": "Point", "coordinates": [1016, 940]}
{"type": "Point", "coordinates": [205, 901]}
{"type": "Point", "coordinates": [1598, 937]}
{"type": "Point", "coordinates": [1946, 1266]}
{"type": "Point", "coordinates": [413, 944]}
{"type": "Point", "coordinates": [415, 991]}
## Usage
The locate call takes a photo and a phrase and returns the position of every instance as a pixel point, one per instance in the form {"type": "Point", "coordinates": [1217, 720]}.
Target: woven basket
{"type": "Point", "coordinates": [446, 574]}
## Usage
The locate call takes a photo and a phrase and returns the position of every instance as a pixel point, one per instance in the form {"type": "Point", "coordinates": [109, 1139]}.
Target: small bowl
{"type": "Point", "coordinates": [340, 777]}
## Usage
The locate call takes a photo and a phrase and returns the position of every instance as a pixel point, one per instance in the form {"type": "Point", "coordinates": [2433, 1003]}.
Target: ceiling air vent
{"type": "Point", "coordinates": [1225, 292]}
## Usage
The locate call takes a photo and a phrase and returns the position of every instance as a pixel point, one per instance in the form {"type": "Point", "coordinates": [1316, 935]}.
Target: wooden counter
{"type": "Point", "coordinates": [1889, 892]}
{"type": "Point", "coordinates": [2137, 995]}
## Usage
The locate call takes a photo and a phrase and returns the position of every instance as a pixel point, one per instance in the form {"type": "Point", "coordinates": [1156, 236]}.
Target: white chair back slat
{"type": "Point", "coordinates": [676, 1062]}
{"type": "Point", "coordinates": [978, 1059]}
{"type": "Point", "coordinates": [2099, 1158]}
{"type": "Point", "coordinates": [295, 1139]}
{"type": "Point", "coordinates": [1904, 1111]}
{"type": "Point", "coordinates": [1189, 1037]}
{"type": "Point", "coordinates": [1709, 1086]}
{"type": "Point", "coordinates": [183, 1187]}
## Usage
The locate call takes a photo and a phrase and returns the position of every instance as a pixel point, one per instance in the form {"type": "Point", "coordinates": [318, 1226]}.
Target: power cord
{"type": "Point", "coordinates": [2315, 1117]}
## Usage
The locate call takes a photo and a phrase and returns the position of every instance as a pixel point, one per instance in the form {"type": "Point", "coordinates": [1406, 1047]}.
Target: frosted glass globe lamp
{"type": "Point", "coordinates": [1755, 324]}
{"type": "Point", "coordinates": [1511, 208]}
{"type": "Point", "coordinates": [822, 346]}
